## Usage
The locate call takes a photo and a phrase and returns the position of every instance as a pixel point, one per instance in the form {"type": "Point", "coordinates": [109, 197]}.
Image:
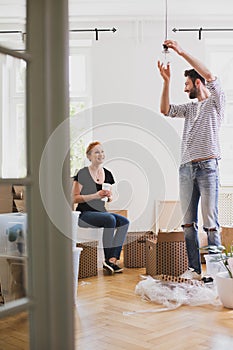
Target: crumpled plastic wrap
{"type": "Point", "coordinates": [174, 294]}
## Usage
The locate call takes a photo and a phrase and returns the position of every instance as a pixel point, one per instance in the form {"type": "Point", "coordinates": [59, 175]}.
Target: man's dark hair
{"type": "Point", "coordinates": [193, 75]}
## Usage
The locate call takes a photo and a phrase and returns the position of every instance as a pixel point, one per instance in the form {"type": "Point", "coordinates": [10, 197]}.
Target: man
{"type": "Point", "coordinates": [200, 152]}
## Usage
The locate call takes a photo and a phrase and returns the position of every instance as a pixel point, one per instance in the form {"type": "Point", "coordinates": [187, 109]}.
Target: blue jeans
{"type": "Point", "coordinates": [114, 233]}
{"type": "Point", "coordinates": [199, 180]}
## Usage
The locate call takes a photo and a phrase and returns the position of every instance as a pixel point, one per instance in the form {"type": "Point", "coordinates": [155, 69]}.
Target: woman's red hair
{"type": "Point", "coordinates": [91, 146]}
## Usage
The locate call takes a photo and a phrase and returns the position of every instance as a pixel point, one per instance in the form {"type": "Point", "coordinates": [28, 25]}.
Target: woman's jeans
{"type": "Point", "coordinates": [199, 180]}
{"type": "Point", "coordinates": [115, 229]}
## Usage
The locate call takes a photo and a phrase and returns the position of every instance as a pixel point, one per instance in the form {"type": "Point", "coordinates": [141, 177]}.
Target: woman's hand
{"type": "Point", "coordinates": [104, 193]}
{"type": "Point", "coordinates": [108, 194]}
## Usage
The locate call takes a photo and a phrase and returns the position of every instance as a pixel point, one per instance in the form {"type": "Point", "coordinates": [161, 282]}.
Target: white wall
{"type": "Point", "coordinates": [142, 147]}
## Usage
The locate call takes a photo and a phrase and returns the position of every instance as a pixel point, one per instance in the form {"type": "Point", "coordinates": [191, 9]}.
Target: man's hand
{"type": "Point", "coordinates": [171, 44]}
{"type": "Point", "coordinates": [193, 61]}
{"type": "Point", "coordinates": [164, 71]}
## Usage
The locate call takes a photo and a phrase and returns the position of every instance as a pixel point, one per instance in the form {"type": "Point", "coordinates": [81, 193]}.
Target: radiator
{"type": "Point", "coordinates": [225, 209]}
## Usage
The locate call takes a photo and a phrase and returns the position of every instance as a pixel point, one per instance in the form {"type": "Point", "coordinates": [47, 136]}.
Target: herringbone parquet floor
{"type": "Point", "coordinates": [101, 322]}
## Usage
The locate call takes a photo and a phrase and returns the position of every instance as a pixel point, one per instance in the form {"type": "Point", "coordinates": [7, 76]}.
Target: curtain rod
{"type": "Point", "coordinates": [200, 30]}
{"type": "Point", "coordinates": [96, 30]}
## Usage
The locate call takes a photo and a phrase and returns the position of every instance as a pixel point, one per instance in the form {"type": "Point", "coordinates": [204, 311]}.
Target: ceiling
{"type": "Point", "coordinates": [198, 12]}
{"type": "Point", "coordinates": [176, 8]}
{"type": "Point", "coordinates": [13, 11]}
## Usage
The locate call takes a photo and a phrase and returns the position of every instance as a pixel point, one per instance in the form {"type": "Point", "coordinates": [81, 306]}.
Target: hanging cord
{"type": "Point", "coordinates": [165, 48]}
{"type": "Point", "coordinates": [165, 19]}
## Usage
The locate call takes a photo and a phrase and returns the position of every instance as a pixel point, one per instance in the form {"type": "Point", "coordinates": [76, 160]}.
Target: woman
{"type": "Point", "coordinates": [88, 193]}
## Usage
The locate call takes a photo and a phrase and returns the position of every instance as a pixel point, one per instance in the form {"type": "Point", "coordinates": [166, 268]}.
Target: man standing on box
{"type": "Point", "coordinates": [200, 151]}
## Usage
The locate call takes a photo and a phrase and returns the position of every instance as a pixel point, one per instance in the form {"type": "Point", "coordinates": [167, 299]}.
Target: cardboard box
{"type": "Point", "coordinates": [167, 254]}
{"type": "Point", "coordinates": [227, 236]}
{"type": "Point", "coordinates": [6, 198]}
{"type": "Point", "coordinates": [135, 248]}
{"type": "Point", "coordinates": [88, 259]}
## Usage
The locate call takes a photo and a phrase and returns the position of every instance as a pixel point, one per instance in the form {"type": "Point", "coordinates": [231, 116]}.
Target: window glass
{"type": "Point", "coordinates": [222, 52]}
{"type": "Point", "coordinates": [12, 117]}
{"type": "Point", "coordinates": [77, 74]}
{"type": "Point", "coordinates": [80, 112]}
{"type": "Point", "coordinates": [13, 242]}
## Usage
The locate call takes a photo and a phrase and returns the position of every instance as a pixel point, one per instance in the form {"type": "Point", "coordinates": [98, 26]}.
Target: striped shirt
{"type": "Point", "coordinates": [202, 123]}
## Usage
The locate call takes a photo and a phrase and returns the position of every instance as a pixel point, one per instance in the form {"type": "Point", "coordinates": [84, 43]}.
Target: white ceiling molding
{"type": "Point", "coordinates": [12, 10]}
{"type": "Point", "coordinates": [98, 13]}
{"type": "Point", "coordinates": [205, 9]}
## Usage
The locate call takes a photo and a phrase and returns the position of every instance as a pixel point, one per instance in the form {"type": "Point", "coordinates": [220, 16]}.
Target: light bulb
{"type": "Point", "coordinates": [166, 55]}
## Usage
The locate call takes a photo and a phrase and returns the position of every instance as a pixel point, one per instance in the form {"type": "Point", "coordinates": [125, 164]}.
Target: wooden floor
{"type": "Point", "coordinates": [101, 322]}
{"type": "Point", "coordinates": [14, 332]}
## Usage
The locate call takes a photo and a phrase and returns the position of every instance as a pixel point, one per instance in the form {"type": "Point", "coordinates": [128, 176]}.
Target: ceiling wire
{"type": "Point", "coordinates": [165, 48]}
{"type": "Point", "coordinates": [165, 19]}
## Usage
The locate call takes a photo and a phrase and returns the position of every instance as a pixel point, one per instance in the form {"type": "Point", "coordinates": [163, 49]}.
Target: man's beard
{"type": "Point", "coordinates": [193, 93]}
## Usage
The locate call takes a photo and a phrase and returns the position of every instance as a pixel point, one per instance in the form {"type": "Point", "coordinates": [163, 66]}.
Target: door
{"type": "Point", "coordinates": [46, 260]}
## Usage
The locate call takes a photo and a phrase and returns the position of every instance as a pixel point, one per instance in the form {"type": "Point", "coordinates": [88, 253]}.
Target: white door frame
{"type": "Point", "coordinates": [50, 293]}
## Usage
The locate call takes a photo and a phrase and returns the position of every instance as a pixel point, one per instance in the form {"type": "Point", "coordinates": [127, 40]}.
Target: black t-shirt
{"type": "Point", "coordinates": [89, 187]}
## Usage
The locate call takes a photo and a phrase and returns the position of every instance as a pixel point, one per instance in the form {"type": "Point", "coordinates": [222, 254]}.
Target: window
{"type": "Point", "coordinates": [80, 103]}
{"type": "Point", "coordinates": [12, 117]}
{"type": "Point", "coordinates": [12, 113]}
{"type": "Point", "coordinates": [221, 51]}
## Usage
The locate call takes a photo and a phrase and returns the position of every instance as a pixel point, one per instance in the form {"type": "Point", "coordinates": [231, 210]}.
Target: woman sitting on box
{"type": "Point", "coordinates": [88, 192]}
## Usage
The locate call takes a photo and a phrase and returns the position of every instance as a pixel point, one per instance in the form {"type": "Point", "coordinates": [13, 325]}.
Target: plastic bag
{"type": "Point", "coordinates": [172, 294]}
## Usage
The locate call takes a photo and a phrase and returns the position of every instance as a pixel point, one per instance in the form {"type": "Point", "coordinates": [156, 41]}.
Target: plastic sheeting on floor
{"type": "Point", "coordinates": [172, 294]}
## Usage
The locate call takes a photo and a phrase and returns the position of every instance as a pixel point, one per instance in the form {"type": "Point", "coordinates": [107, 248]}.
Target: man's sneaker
{"type": "Point", "coordinates": [116, 268]}
{"type": "Point", "coordinates": [207, 279]}
{"type": "Point", "coordinates": [107, 266]}
{"type": "Point", "coordinates": [191, 274]}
